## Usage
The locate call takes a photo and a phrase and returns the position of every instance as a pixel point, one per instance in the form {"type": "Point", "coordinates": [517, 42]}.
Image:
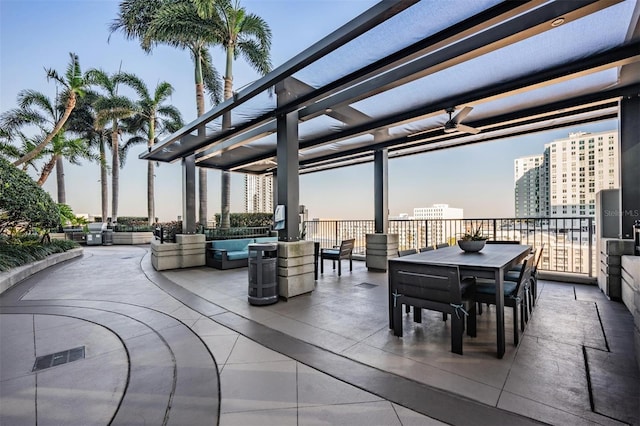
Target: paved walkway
{"type": "Point", "coordinates": [151, 359]}
{"type": "Point", "coordinates": [184, 348]}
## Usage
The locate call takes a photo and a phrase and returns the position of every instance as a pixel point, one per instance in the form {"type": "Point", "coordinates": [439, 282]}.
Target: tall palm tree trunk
{"type": "Point", "coordinates": [202, 172]}
{"type": "Point", "coordinates": [225, 177]}
{"type": "Point", "coordinates": [115, 172]}
{"type": "Point", "coordinates": [151, 206]}
{"type": "Point", "coordinates": [46, 170]}
{"type": "Point", "coordinates": [62, 191]}
{"type": "Point", "coordinates": [104, 185]}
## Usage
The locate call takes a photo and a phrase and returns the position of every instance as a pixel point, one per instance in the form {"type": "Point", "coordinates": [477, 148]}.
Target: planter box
{"type": "Point", "coordinates": [132, 238]}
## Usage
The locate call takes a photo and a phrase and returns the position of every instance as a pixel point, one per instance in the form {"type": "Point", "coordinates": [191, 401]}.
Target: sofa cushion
{"type": "Point", "coordinates": [236, 255]}
{"type": "Point", "coordinates": [232, 245]}
{"type": "Point", "coordinates": [266, 240]}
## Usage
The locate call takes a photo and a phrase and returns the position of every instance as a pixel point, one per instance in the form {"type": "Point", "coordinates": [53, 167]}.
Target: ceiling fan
{"type": "Point", "coordinates": [454, 123]}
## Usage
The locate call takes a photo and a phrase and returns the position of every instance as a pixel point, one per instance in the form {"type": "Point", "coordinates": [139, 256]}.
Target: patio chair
{"type": "Point", "coordinates": [427, 248]}
{"type": "Point", "coordinates": [514, 273]}
{"type": "Point", "coordinates": [515, 295]}
{"type": "Point", "coordinates": [436, 288]}
{"type": "Point", "coordinates": [442, 245]}
{"type": "Point", "coordinates": [343, 251]}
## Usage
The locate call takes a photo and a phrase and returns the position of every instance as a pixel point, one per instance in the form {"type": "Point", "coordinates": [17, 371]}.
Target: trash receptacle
{"type": "Point", "coordinates": [94, 237]}
{"type": "Point", "coordinates": [263, 277]}
{"type": "Point", "coordinates": [107, 237]}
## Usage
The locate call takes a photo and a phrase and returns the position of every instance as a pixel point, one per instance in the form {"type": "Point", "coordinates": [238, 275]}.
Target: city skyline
{"type": "Point", "coordinates": [477, 178]}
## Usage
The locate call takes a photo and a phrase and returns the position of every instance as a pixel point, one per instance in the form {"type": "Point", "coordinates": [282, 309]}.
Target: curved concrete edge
{"type": "Point", "coordinates": [10, 278]}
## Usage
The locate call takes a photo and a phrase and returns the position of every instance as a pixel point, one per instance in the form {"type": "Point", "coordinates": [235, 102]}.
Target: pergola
{"type": "Point", "coordinates": [409, 77]}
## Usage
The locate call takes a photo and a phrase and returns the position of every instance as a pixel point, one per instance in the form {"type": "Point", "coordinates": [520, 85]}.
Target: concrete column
{"type": "Point", "coordinates": [381, 190]}
{"type": "Point", "coordinates": [189, 195]}
{"type": "Point", "coordinates": [288, 187]}
{"type": "Point", "coordinates": [629, 164]}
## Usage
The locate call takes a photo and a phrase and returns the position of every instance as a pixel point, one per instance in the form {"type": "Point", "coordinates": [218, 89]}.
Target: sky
{"type": "Point", "coordinates": [36, 34]}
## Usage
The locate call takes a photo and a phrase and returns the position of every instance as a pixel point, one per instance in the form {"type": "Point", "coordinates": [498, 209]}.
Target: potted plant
{"type": "Point", "coordinates": [473, 240]}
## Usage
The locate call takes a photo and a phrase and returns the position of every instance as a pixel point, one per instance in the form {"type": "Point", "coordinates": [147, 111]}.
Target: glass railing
{"type": "Point", "coordinates": [568, 242]}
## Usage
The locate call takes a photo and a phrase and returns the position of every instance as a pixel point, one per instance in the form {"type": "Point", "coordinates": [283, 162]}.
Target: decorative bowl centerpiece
{"type": "Point", "coordinates": [472, 241]}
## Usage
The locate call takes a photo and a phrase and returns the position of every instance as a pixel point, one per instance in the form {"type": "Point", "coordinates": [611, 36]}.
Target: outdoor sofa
{"type": "Point", "coordinates": [227, 254]}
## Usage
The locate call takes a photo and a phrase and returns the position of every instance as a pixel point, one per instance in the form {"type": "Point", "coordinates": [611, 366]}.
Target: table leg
{"type": "Point", "coordinates": [499, 279]}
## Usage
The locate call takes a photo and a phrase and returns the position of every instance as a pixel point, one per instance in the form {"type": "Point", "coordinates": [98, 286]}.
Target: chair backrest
{"type": "Point", "coordinates": [526, 271]}
{"type": "Point", "coordinates": [406, 252]}
{"type": "Point", "coordinates": [346, 247]}
{"type": "Point", "coordinates": [434, 283]}
{"type": "Point", "coordinates": [538, 256]}
{"type": "Point", "coordinates": [427, 248]}
{"type": "Point", "coordinates": [442, 245]}
{"type": "Point", "coordinates": [502, 242]}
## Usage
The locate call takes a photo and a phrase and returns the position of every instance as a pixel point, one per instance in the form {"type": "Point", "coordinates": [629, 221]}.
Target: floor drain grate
{"type": "Point", "coordinates": [59, 358]}
{"type": "Point", "coordinates": [367, 285]}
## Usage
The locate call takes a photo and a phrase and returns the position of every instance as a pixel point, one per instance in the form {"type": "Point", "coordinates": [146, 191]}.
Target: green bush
{"type": "Point", "coordinates": [248, 220]}
{"type": "Point", "coordinates": [21, 251]}
{"type": "Point", "coordinates": [24, 206]}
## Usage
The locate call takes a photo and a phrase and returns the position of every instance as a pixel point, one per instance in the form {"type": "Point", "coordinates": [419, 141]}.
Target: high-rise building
{"type": "Point", "coordinates": [563, 182]}
{"type": "Point", "coordinates": [528, 172]}
{"type": "Point", "coordinates": [579, 167]}
{"type": "Point", "coordinates": [437, 216]}
{"type": "Point", "coordinates": [258, 193]}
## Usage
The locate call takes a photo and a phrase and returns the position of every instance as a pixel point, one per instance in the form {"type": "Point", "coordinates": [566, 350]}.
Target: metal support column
{"type": "Point", "coordinates": [288, 186]}
{"type": "Point", "coordinates": [381, 190]}
{"type": "Point", "coordinates": [189, 195]}
{"type": "Point", "coordinates": [629, 160]}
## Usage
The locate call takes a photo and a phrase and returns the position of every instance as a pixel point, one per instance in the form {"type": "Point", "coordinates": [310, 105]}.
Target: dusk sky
{"type": "Point", "coordinates": [35, 35]}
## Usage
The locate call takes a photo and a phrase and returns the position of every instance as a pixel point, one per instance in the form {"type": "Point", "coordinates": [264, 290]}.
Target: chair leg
{"type": "Point", "coordinates": [444, 316]}
{"type": "Point", "coordinates": [350, 263]}
{"type": "Point", "coordinates": [457, 325]}
{"type": "Point", "coordinates": [397, 320]}
{"type": "Point", "coordinates": [417, 314]}
{"type": "Point", "coordinates": [471, 321]}
{"type": "Point", "coordinates": [339, 267]}
{"type": "Point", "coordinates": [322, 266]}
{"type": "Point", "coordinates": [515, 326]}
{"type": "Point", "coordinates": [479, 308]}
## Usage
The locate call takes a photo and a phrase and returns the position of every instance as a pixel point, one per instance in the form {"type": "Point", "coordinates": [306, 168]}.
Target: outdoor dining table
{"type": "Point", "coordinates": [491, 262]}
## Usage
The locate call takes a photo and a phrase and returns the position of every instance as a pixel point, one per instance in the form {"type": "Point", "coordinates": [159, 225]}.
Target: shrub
{"type": "Point", "coordinates": [24, 206]}
{"type": "Point", "coordinates": [20, 251]}
{"type": "Point", "coordinates": [248, 220]}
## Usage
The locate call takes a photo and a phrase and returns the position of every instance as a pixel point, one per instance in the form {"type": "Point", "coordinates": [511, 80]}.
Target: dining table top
{"type": "Point", "coordinates": [492, 256]}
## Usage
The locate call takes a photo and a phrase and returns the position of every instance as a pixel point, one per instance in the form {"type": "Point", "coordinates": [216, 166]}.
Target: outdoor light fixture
{"type": "Point", "coordinates": [557, 22]}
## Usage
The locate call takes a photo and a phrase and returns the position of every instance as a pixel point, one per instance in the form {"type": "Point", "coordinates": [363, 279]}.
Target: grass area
{"type": "Point", "coordinates": [21, 251]}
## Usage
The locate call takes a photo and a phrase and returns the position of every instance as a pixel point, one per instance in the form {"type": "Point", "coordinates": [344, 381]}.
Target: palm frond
{"type": "Point", "coordinates": [28, 98]}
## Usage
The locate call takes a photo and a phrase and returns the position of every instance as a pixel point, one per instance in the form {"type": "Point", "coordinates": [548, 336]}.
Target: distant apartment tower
{"type": "Point", "coordinates": [258, 193]}
{"type": "Point", "coordinates": [437, 216]}
{"type": "Point", "coordinates": [579, 167]}
{"type": "Point", "coordinates": [563, 182]}
{"type": "Point", "coordinates": [529, 172]}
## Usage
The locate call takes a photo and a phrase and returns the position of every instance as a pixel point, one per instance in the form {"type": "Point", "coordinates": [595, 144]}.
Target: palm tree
{"type": "Point", "coordinates": [72, 150]}
{"type": "Point", "coordinates": [111, 108]}
{"type": "Point", "coordinates": [74, 84]}
{"type": "Point", "coordinates": [152, 119]}
{"type": "Point", "coordinates": [249, 36]}
{"type": "Point", "coordinates": [83, 123]}
{"type": "Point", "coordinates": [186, 25]}
{"type": "Point", "coordinates": [36, 109]}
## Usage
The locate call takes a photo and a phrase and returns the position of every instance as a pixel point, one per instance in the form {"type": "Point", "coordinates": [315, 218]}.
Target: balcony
{"type": "Point", "coordinates": [574, 363]}
{"type": "Point", "coordinates": [569, 243]}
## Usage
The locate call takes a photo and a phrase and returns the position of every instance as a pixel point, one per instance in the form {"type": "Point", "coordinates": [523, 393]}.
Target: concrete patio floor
{"type": "Point", "coordinates": [184, 347]}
